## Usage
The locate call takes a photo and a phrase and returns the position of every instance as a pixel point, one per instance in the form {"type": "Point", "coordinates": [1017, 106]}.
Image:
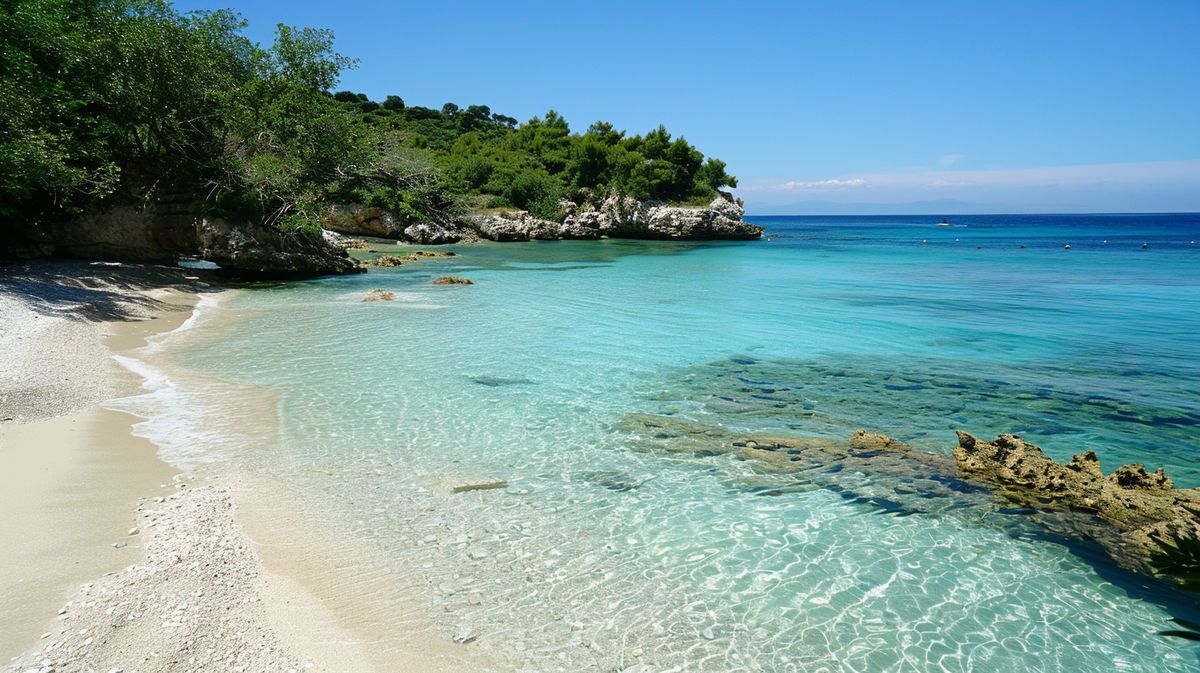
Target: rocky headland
{"type": "Point", "coordinates": [167, 227]}
{"type": "Point", "coordinates": [615, 216]}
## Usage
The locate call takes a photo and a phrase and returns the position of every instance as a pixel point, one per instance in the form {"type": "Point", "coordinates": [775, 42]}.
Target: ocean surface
{"type": "Point", "coordinates": [614, 547]}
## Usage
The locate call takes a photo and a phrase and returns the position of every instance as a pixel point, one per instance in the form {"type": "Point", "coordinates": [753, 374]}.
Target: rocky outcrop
{"type": "Point", "coordinates": [615, 217]}
{"type": "Point", "coordinates": [362, 221]}
{"type": "Point", "coordinates": [263, 251]}
{"type": "Point", "coordinates": [429, 233]}
{"type": "Point", "coordinates": [519, 227]}
{"type": "Point", "coordinates": [388, 261]}
{"type": "Point", "coordinates": [624, 217]}
{"type": "Point", "coordinates": [1141, 505]}
{"type": "Point", "coordinates": [379, 294]}
{"type": "Point", "coordinates": [1131, 514]}
{"type": "Point", "coordinates": [344, 242]}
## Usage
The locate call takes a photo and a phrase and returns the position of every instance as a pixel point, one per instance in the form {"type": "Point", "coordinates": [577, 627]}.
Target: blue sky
{"type": "Point", "coordinates": [1004, 106]}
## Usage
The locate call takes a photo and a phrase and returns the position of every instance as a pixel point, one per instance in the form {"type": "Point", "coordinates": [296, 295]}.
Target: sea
{"type": "Point", "coordinates": [602, 380]}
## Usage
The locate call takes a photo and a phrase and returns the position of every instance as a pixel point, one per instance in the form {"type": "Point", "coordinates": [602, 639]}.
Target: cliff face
{"type": "Point", "coordinates": [156, 229]}
{"type": "Point", "coordinates": [615, 217]}
{"type": "Point", "coordinates": [165, 228]}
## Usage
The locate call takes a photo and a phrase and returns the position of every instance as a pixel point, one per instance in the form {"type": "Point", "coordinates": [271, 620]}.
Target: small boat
{"type": "Point", "coordinates": [944, 223]}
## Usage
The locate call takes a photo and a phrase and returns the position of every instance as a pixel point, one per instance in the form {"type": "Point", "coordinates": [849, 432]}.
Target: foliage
{"type": "Point", "coordinates": [109, 100]}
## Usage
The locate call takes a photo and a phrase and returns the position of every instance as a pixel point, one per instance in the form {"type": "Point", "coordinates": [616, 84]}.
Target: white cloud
{"type": "Point", "coordinates": [947, 160]}
{"type": "Point", "coordinates": [1149, 184]}
{"type": "Point", "coordinates": [796, 185]}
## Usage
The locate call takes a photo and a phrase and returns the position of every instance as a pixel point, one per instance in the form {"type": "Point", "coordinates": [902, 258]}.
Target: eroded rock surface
{"type": "Point", "coordinates": [1137, 503]}
{"type": "Point", "coordinates": [269, 252]}
{"type": "Point", "coordinates": [624, 217]}
{"type": "Point", "coordinates": [379, 294]}
{"type": "Point", "coordinates": [1007, 482]}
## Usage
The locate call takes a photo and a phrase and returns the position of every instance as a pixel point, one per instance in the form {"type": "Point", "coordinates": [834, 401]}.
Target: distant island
{"type": "Point", "coordinates": [162, 134]}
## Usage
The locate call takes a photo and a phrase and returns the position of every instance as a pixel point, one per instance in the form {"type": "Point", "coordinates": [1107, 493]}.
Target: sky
{"type": "Point", "coordinates": [851, 106]}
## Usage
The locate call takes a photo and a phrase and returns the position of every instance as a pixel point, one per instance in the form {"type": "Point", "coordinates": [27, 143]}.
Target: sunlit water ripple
{"type": "Point", "coordinates": [603, 555]}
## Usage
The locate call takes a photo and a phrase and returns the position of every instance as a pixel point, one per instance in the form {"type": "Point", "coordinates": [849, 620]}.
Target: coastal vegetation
{"type": "Point", "coordinates": [113, 102]}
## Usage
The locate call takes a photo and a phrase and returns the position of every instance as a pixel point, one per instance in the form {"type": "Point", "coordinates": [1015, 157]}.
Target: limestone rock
{"type": "Point", "coordinates": [379, 294]}
{"type": "Point", "coordinates": [264, 251]}
{"type": "Point", "coordinates": [620, 216]}
{"type": "Point", "coordinates": [431, 233]}
{"type": "Point", "coordinates": [624, 217]}
{"type": "Point", "coordinates": [1135, 476]}
{"type": "Point", "coordinates": [362, 221]}
{"type": "Point", "coordinates": [386, 261]}
{"type": "Point", "coordinates": [344, 242]}
{"type": "Point", "coordinates": [158, 226]}
{"type": "Point", "coordinates": [416, 256]}
{"type": "Point", "coordinates": [1131, 502]}
{"type": "Point", "coordinates": [452, 280]}
{"type": "Point", "coordinates": [520, 227]}
{"type": "Point", "coordinates": [871, 441]}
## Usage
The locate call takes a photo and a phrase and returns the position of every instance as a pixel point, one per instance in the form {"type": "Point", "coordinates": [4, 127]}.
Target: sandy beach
{"type": "Point", "coordinates": [116, 560]}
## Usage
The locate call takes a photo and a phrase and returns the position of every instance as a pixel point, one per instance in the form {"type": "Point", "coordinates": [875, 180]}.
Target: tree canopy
{"type": "Point", "coordinates": [106, 100]}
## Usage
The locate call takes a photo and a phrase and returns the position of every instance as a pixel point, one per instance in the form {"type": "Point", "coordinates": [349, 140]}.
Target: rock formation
{"type": "Point", "coordinates": [387, 261]}
{"type": "Point", "coordinates": [162, 227]}
{"type": "Point", "coordinates": [267, 252]}
{"type": "Point", "coordinates": [362, 221]}
{"type": "Point", "coordinates": [624, 217]}
{"type": "Point", "coordinates": [520, 227]}
{"type": "Point", "coordinates": [1140, 505]}
{"type": "Point", "coordinates": [1130, 514]}
{"type": "Point", "coordinates": [379, 294]}
{"type": "Point", "coordinates": [615, 217]}
{"type": "Point", "coordinates": [429, 233]}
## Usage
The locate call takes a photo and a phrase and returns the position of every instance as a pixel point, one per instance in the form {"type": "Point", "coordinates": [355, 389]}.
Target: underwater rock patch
{"type": "Point", "coordinates": [497, 381]}
{"type": "Point", "coordinates": [1127, 514]}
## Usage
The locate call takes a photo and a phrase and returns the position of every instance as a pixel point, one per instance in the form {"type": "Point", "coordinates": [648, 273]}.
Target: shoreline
{"type": "Point", "coordinates": [224, 569]}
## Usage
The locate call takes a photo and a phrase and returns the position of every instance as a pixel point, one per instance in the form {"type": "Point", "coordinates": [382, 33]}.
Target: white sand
{"type": "Point", "coordinates": [206, 583]}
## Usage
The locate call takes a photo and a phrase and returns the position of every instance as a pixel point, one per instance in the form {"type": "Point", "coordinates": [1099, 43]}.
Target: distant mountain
{"type": "Point", "coordinates": [936, 207]}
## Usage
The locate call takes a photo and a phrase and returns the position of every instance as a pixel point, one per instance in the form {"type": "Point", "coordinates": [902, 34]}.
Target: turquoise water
{"type": "Point", "coordinates": [609, 550]}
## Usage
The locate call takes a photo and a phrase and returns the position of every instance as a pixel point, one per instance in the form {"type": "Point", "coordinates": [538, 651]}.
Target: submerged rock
{"type": "Point", "coordinates": [452, 280]}
{"type": "Point", "coordinates": [496, 381]}
{"type": "Point", "coordinates": [485, 485]}
{"type": "Point", "coordinates": [379, 294]}
{"type": "Point", "coordinates": [1130, 515]}
{"type": "Point", "coordinates": [387, 261]}
{"type": "Point", "coordinates": [464, 634]}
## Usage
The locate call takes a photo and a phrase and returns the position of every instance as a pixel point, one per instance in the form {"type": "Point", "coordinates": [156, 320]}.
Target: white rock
{"type": "Point", "coordinates": [464, 634]}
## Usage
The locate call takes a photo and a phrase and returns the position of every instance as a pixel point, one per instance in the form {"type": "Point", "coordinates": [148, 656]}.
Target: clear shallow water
{"type": "Point", "coordinates": [605, 553]}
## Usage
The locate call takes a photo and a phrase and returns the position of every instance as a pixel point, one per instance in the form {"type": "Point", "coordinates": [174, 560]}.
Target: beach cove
{"type": "Point", "coordinates": [342, 429]}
